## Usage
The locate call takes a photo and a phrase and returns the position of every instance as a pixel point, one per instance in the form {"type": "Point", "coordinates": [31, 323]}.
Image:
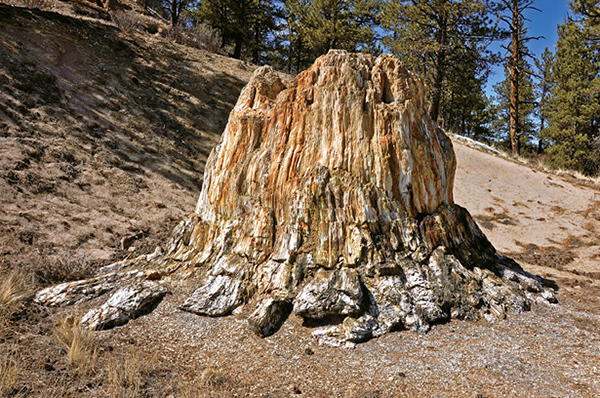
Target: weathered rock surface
{"type": "Point", "coordinates": [334, 194]}
{"type": "Point", "coordinates": [125, 304]}
{"type": "Point", "coordinates": [76, 292]}
{"type": "Point", "coordinates": [329, 198]}
{"type": "Point", "coordinates": [134, 293]}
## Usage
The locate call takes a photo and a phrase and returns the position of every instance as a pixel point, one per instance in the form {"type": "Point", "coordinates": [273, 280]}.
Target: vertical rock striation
{"type": "Point", "coordinates": [331, 198]}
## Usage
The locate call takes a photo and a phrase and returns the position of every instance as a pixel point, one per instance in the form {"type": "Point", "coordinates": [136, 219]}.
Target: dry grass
{"type": "Point", "coordinates": [69, 267]}
{"type": "Point", "coordinates": [79, 345]}
{"type": "Point", "coordinates": [9, 372]}
{"type": "Point", "coordinates": [14, 289]}
{"type": "Point", "coordinates": [127, 377]}
{"type": "Point", "coordinates": [212, 380]}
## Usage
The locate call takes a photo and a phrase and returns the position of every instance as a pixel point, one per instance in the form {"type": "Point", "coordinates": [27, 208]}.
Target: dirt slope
{"type": "Point", "coordinates": [537, 218]}
{"type": "Point", "coordinates": [104, 134]}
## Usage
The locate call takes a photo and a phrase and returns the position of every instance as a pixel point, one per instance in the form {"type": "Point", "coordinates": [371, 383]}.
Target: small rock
{"type": "Point", "coordinates": [128, 240]}
{"type": "Point", "coordinates": [157, 253]}
{"type": "Point", "coordinates": [335, 292]}
{"type": "Point", "coordinates": [219, 296]}
{"type": "Point", "coordinates": [269, 316]}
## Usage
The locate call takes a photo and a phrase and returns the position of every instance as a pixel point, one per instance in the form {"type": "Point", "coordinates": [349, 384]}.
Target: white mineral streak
{"type": "Point", "coordinates": [332, 197]}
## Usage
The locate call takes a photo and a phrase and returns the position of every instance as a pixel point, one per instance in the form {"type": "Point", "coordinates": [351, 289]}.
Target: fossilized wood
{"type": "Point", "coordinates": [333, 194]}
{"type": "Point", "coordinates": [329, 198]}
{"type": "Point", "coordinates": [125, 304]}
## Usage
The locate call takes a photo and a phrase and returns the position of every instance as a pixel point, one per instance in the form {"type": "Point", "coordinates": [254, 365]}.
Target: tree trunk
{"type": "Point", "coordinates": [329, 218]}
{"type": "Point", "coordinates": [438, 74]}
{"type": "Point", "coordinates": [174, 12]}
{"type": "Point", "coordinates": [237, 51]}
{"type": "Point", "coordinates": [514, 83]}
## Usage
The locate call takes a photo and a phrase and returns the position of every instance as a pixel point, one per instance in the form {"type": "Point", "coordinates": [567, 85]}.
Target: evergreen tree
{"type": "Point", "coordinates": [543, 90]}
{"type": "Point", "coordinates": [445, 43]}
{"type": "Point", "coordinates": [574, 120]}
{"type": "Point", "coordinates": [516, 94]}
{"type": "Point", "coordinates": [314, 27]}
{"type": "Point", "coordinates": [516, 66]}
{"type": "Point", "coordinates": [244, 25]}
{"type": "Point", "coordinates": [525, 105]}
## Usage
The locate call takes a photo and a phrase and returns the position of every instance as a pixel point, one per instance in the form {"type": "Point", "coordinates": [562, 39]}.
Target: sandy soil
{"type": "Point", "coordinates": [538, 218]}
{"type": "Point", "coordinates": [103, 135]}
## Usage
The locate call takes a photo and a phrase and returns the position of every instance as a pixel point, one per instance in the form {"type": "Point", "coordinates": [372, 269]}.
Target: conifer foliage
{"type": "Point", "coordinates": [574, 117]}
{"type": "Point", "coordinates": [547, 105]}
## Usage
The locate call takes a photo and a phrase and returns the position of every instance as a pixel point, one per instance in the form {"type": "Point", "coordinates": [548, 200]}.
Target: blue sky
{"type": "Point", "coordinates": [553, 12]}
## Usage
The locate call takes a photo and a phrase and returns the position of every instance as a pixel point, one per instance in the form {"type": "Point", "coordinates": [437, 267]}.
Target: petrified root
{"type": "Point", "coordinates": [332, 197]}
{"type": "Point", "coordinates": [126, 303]}
{"type": "Point", "coordinates": [135, 293]}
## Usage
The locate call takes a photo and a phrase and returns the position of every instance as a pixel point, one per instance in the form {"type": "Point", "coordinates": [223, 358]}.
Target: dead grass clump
{"type": "Point", "coordinates": [14, 289]}
{"type": "Point", "coordinates": [9, 372]}
{"type": "Point", "coordinates": [127, 377]}
{"type": "Point", "coordinates": [69, 267]}
{"type": "Point", "coordinates": [211, 379]}
{"type": "Point", "coordinates": [79, 345]}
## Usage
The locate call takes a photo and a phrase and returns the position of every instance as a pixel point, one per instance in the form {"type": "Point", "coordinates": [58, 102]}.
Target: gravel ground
{"type": "Point", "coordinates": [551, 351]}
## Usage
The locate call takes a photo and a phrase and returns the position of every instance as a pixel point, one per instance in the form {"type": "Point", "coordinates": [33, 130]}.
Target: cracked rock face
{"type": "Point", "coordinates": [126, 303]}
{"type": "Point", "coordinates": [329, 198]}
{"type": "Point", "coordinates": [332, 197]}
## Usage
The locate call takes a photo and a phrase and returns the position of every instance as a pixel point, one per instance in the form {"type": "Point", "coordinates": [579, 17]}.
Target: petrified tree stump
{"type": "Point", "coordinates": [332, 198]}
{"type": "Point", "coordinates": [329, 197]}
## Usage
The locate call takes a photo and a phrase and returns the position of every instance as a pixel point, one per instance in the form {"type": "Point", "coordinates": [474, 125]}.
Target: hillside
{"type": "Point", "coordinates": [104, 135]}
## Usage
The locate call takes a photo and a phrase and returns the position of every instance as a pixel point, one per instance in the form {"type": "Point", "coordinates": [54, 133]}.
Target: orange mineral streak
{"type": "Point", "coordinates": [358, 116]}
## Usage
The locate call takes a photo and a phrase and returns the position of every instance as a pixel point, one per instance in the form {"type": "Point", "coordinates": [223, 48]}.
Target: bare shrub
{"type": "Point", "coordinates": [78, 343]}
{"type": "Point", "coordinates": [203, 36]}
{"type": "Point", "coordinates": [200, 36]}
{"type": "Point", "coordinates": [127, 21]}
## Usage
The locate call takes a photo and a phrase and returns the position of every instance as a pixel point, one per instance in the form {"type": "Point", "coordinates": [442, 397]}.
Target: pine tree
{"type": "Point", "coordinates": [516, 65]}
{"type": "Point", "coordinates": [525, 105]}
{"type": "Point", "coordinates": [244, 25]}
{"type": "Point", "coordinates": [574, 121]}
{"type": "Point", "coordinates": [543, 92]}
{"type": "Point", "coordinates": [515, 94]}
{"type": "Point", "coordinates": [437, 39]}
{"type": "Point", "coordinates": [314, 27]}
